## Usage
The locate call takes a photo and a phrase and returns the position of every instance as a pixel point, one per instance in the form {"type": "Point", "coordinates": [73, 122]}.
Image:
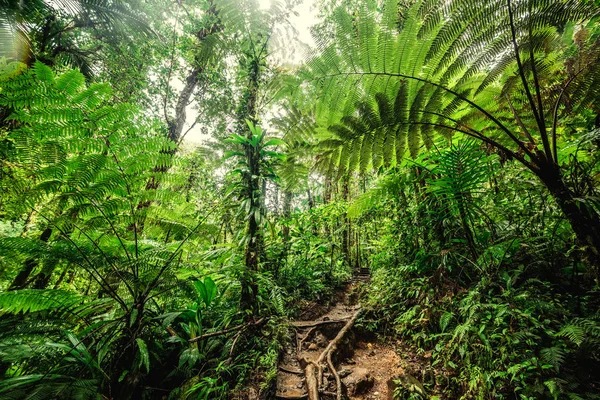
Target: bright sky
{"type": "Point", "coordinates": [307, 17]}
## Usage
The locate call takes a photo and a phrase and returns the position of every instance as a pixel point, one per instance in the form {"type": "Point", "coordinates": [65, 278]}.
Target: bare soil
{"type": "Point", "coordinates": [364, 365]}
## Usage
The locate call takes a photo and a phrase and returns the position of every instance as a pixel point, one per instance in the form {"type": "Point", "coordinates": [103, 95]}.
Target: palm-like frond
{"type": "Point", "coordinates": [447, 60]}
{"type": "Point", "coordinates": [38, 29]}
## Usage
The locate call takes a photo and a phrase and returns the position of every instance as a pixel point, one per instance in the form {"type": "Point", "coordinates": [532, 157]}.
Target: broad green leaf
{"type": "Point", "coordinates": [274, 142]}
{"type": "Point", "coordinates": [144, 355]}
{"type": "Point", "coordinates": [211, 290]}
{"type": "Point", "coordinates": [201, 289]}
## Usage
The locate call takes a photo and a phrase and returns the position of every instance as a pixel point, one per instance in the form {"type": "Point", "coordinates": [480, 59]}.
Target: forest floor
{"type": "Point", "coordinates": [365, 366]}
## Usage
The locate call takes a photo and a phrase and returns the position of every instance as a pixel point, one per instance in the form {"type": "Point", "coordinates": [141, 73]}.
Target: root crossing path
{"type": "Point", "coordinates": [329, 360]}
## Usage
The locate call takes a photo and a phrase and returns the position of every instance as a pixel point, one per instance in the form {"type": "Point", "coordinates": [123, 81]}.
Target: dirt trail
{"type": "Point", "coordinates": [364, 366]}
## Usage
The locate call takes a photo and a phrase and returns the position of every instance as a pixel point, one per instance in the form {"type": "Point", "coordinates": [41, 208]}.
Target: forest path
{"type": "Point", "coordinates": [364, 366]}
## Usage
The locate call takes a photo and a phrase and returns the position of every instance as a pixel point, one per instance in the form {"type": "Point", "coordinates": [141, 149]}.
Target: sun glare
{"type": "Point", "coordinates": [264, 4]}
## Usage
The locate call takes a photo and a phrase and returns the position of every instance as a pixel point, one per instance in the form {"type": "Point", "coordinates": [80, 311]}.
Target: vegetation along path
{"type": "Point", "coordinates": [329, 358]}
{"type": "Point", "coordinates": [180, 179]}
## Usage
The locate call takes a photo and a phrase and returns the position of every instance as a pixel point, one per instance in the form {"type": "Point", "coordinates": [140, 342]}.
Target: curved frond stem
{"type": "Point", "coordinates": [101, 279]}
{"type": "Point", "coordinates": [112, 226]}
{"type": "Point", "coordinates": [129, 195]}
{"type": "Point", "coordinates": [178, 284]}
{"type": "Point", "coordinates": [84, 233]}
{"type": "Point", "coordinates": [519, 120]}
{"type": "Point", "coordinates": [454, 93]}
{"type": "Point", "coordinates": [482, 138]}
{"type": "Point", "coordinates": [555, 111]}
{"type": "Point", "coordinates": [475, 131]}
{"type": "Point", "coordinates": [536, 82]}
{"type": "Point", "coordinates": [520, 67]}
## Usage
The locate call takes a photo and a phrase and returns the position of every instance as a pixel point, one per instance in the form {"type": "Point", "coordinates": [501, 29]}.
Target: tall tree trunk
{"type": "Point", "coordinates": [311, 200]}
{"type": "Point", "coordinates": [276, 200]}
{"type": "Point", "coordinates": [253, 183]}
{"type": "Point", "coordinates": [327, 190]}
{"type": "Point", "coordinates": [176, 123]}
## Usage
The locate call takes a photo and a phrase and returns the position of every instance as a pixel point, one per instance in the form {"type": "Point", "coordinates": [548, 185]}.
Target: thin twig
{"type": "Point", "coordinates": [225, 331]}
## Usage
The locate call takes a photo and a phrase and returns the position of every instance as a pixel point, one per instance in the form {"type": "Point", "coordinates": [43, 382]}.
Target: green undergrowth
{"type": "Point", "coordinates": [507, 334]}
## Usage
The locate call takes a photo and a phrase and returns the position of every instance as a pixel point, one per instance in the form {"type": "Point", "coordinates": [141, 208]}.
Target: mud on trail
{"type": "Point", "coordinates": [328, 359]}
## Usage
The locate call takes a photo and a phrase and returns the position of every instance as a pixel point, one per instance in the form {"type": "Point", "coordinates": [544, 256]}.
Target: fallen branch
{"type": "Point", "coordinates": [171, 331]}
{"type": "Point", "coordinates": [308, 324]}
{"type": "Point", "coordinates": [225, 331]}
{"type": "Point", "coordinates": [339, 336]}
{"type": "Point", "coordinates": [314, 371]}
{"type": "Point", "coordinates": [237, 336]}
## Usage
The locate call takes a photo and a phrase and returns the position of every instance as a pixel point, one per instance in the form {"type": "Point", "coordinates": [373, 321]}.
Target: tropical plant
{"type": "Point", "coordinates": [455, 68]}
{"type": "Point", "coordinates": [77, 150]}
{"type": "Point", "coordinates": [254, 166]}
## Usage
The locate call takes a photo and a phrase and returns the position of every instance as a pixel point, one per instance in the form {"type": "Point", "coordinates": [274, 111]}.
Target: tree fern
{"type": "Point", "coordinates": [435, 57]}
{"type": "Point", "coordinates": [88, 162]}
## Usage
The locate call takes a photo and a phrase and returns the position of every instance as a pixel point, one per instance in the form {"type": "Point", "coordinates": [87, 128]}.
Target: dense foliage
{"type": "Point", "coordinates": [177, 183]}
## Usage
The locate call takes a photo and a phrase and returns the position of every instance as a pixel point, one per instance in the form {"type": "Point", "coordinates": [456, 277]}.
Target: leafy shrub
{"type": "Point", "coordinates": [505, 335]}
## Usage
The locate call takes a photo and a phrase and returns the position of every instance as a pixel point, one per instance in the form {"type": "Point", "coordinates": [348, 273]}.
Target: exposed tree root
{"type": "Point", "coordinates": [282, 396]}
{"type": "Point", "coordinates": [290, 371]}
{"type": "Point", "coordinates": [301, 342]}
{"type": "Point", "coordinates": [338, 381]}
{"type": "Point", "coordinates": [311, 381]}
{"type": "Point", "coordinates": [314, 370]}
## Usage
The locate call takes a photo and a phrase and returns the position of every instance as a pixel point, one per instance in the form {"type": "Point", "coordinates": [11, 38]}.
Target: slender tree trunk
{"type": "Point", "coordinates": [346, 222]}
{"type": "Point", "coordinates": [287, 212]}
{"type": "Point", "coordinates": [327, 191]}
{"type": "Point", "coordinates": [357, 261]}
{"type": "Point", "coordinates": [276, 200]}
{"type": "Point", "coordinates": [176, 123]}
{"type": "Point", "coordinates": [311, 200]}
{"type": "Point", "coordinates": [285, 230]}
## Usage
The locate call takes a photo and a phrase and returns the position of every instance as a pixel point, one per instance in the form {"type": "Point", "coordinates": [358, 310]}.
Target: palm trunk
{"type": "Point", "coordinates": [584, 221]}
